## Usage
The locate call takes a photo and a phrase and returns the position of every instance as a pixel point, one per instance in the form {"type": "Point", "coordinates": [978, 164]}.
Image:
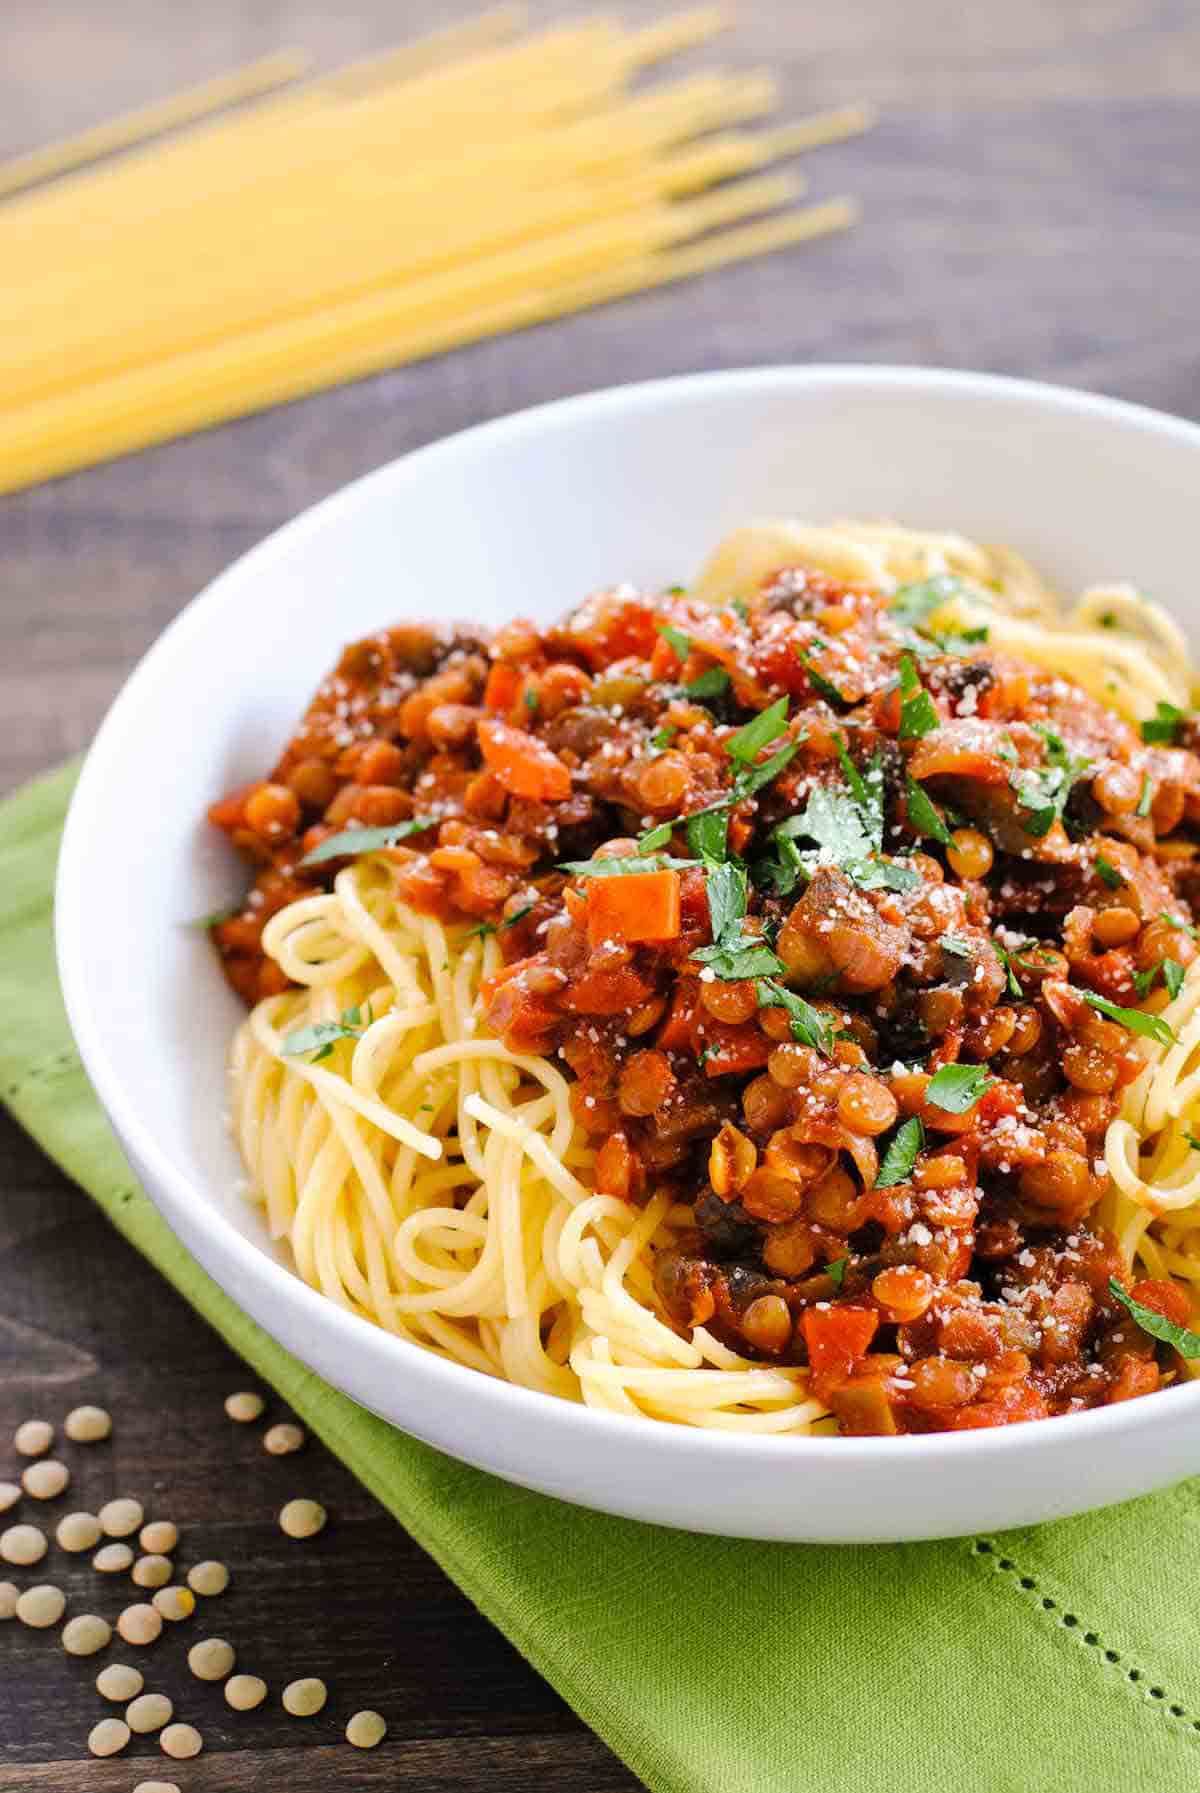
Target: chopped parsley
{"type": "Point", "coordinates": [733, 954]}
{"type": "Point", "coordinates": [955, 944]}
{"type": "Point", "coordinates": [1163, 726]}
{"type": "Point", "coordinates": [533, 702]}
{"type": "Point", "coordinates": [914, 604]}
{"type": "Point", "coordinates": [740, 609]}
{"type": "Point", "coordinates": [319, 1039]}
{"type": "Point", "coordinates": [1172, 977]}
{"type": "Point", "coordinates": [510, 921]}
{"type": "Point", "coordinates": [661, 739]}
{"type": "Point", "coordinates": [1192, 1140]}
{"type": "Point", "coordinates": [1013, 984]}
{"type": "Point", "coordinates": [1043, 792]}
{"type": "Point", "coordinates": [847, 826]}
{"type": "Point", "coordinates": [365, 840]}
{"type": "Point", "coordinates": [1108, 872]}
{"type": "Point", "coordinates": [836, 1272]}
{"type": "Point", "coordinates": [748, 740]}
{"type": "Point", "coordinates": [1184, 927]}
{"type": "Point", "coordinates": [677, 640]}
{"type": "Point", "coordinates": [918, 716]}
{"type": "Point", "coordinates": [902, 1152]}
{"type": "Point", "coordinates": [821, 685]}
{"type": "Point", "coordinates": [481, 930]}
{"type": "Point", "coordinates": [713, 683]}
{"type": "Point", "coordinates": [655, 837]}
{"type": "Point", "coordinates": [743, 958]}
{"type": "Point", "coordinates": [1143, 806]}
{"type": "Point", "coordinates": [809, 1026]}
{"type": "Point", "coordinates": [708, 832]}
{"type": "Point", "coordinates": [726, 891]}
{"type": "Point", "coordinates": [1157, 1325]}
{"type": "Point", "coordinates": [922, 815]}
{"type": "Point", "coordinates": [1150, 1027]}
{"type": "Point", "coordinates": [749, 780]}
{"type": "Point", "coordinates": [956, 1088]}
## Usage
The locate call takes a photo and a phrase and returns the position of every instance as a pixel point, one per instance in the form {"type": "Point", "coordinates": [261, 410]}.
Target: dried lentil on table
{"type": "Point", "coordinates": [302, 1518]}
{"type": "Point", "coordinates": [78, 1531]}
{"type": "Point", "coordinates": [306, 1697]}
{"type": "Point", "coordinates": [122, 1517]}
{"type": "Point", "coordinates": [175, 1603]}
{"type": "Point", "coordinates": [110, 1559]}
{"type": "Point", "coordinates": [159, 1538]}
{"type": "Point", "coordinates": [45, 1480]}
{"type": "Point", "coordinates": [140, 1624]}
{"type": "Point", "coordinates": [118, 1681]}
{"type": "Point", "coordinates": [152, 1571]}
{"type": "Point", "coordinates": [9, 1594]}
{"type": "Point", "coordinates": [149, 1712]}
{"type": "Point", "coordinates": [87, 1425]}
{"type": "Point", "coordinates": [23, 1545]}
{"type": "Point", "coordinates": [34, 1438]}
{"type": "Point", "coordinates": [86, 1634]}
{"type": "Point", "coordinates": [366, 1730]}
{"type": "Point", "coordinates": [208, 1578]}
{"type": "Point", "coordinates": [41, 1606]}
{"type": "Point", "coordinates": [283, 1440]}
{"type": "Point", "coordinates": [245, 1692]}
{"type": "Point", "coordinates": [211, 1659]}
{"type": "Point", "coordinates": [244, 1407]}
{"type": "Point", "coordinates": [181, 1741]}
{"type": "Point", "coordinates": [10, 1494]}
{"type": "Point", "coordinates": [109, 1737]}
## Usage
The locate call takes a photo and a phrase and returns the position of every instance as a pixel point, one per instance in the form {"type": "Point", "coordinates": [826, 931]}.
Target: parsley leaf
{"type": "Point", "coordinates": [1151, 1027]}
{"type": "Point", "coordinates": [821, 685]}
{"type": "Point", "coordinates": [707, 832]}
{"type": "Point", "coordinates": [903, 1149]}
{"type": "Point", "coordinates": [533, 702]}
{"type": "Point", "coordinates": [1014, 987]}
{"type": "Point", "coordinates": [655, 837]}
{"type": "Point", "coordinates": [319, 1038]}
{"type": "Point", "coordinates": [1192, 1140]}
{"type": "Point", "coordinates": [953, 943]}
{"type": "Point", "coordinates": [1157, 1325]}
{"type": "Point", "coordinates": [676, 639]}
{"type": "Point", "coordinates": [1173, 975]}
{"type": "Point", "coordinates": [914, 604]}
{"type": "Point", "coordinates": [743, 958]}
{"type": "Point", "coordinates": [725, 888]}
{"type": "Point", "coordinates": [481, 930]}
{"type": "Point", "coordinates": [746, 742]}
{"type": "Point", "coordinates": [923, 817]}
{"type": "Point", "coordinates": [1164, 725]}
{"type": "Point", "coordinates": [713, 683]}
{"type": "Point", "coordinates": [365, 840]}
{"type": "Point", "coordinates": [510, 921]}
{"type": "Point", "coordinates": [918, 716]}
{"type": "Point", "coordinates": [661, 739]}
{"type": "Point", "coordinates": [1043, 792]}
{"type": "Point", "coordinates": [854, 777]}
{"type": "Point", "coordinates": [740, 609]}
{"type": "Point", "coordinates": [1185, 927]}
{"type": "Point", "coordinates": [749, 780]}
{"type": "Point", "coordinates": [958, 1087]}
{"type": "Point", "coordinates": [1108, 872]}
{"type": "Point", "coordinates": [836, 1272]}
{"type": "Point", "coordinates": [809, 1025]}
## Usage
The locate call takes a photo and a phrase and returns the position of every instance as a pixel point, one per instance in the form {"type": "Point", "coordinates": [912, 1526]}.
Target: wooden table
{"type": "Point", "coordinates": [1031, 207]}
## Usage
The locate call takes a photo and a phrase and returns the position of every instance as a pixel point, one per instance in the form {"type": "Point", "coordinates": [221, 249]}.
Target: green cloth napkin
{"type": "Point", "coordinates": [1044, 1661]}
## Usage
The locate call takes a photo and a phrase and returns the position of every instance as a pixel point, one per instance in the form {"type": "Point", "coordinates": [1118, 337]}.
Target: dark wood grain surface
{"type": "Point", "coordinates": [1031, 206]}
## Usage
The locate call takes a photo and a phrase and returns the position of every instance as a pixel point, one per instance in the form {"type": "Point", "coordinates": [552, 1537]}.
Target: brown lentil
{"type": "Point", "coordinates": [23, 1545]}
{"type": "Point", "coordinates": [175, 1603]}
{"type": "Point", "coordinates": [970, 854]}
{"type": "Point", "coordinates": [152, 1571]}
{"type": "Point", "coordinates": [9, 1593]}
{"type": "Point", "coordinates": [244, 1407]}
{"type": "Point", "coordinates": [120, 1518]}
{"type": "Point", "coordinates": [149, 1712]}
{"type": "Point", "coordinates": [111, 1559]}
{"type": "Point", "coordinates": [159, 1538]}
{"type": "Point", "coordinates": [140, 1624]}
{"type": "Point", "coordinates": [245, 1692]}
{"type": "Point", "coordinates": [281, 1441]}
{"type": "Point", "coordinates": [10, 1494]}
{"type": "Point", "coordinates": [212, 1659]}
{"type": "Point", "coordinates": [118, 1681]}
{"type": "Point", "coordinates": [366, 1730]}
{"type": "Point", "coordinates": [45, 1480]}
{"type": "Point", "coordinates": [302, 1518]}
{"type": "Point", "coordinates": [209, 1579]}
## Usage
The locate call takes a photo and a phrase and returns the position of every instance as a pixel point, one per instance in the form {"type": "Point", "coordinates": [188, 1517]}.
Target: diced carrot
{"type": "Point", "coordinates": [1011, 1406]}
{"type": "Point", "coordinates": [675, 1034]}
{"type": "Point", "coordinates": [523, 764]}
{"type": "Point", "coordinates": [635, 907]}
{"type": "Point", "coordinates": [1166, 1298]}
{"type": "Point", "coordinates": [729, 1048]}
{"type": "Point", "coordinates": [665, 663]}
{"type": "Point", "coordinates": [606, 992]}
{"type": "Point", "coordinates": [837, 1337]}
{"type": "Point", "coordinates": [503, 684]}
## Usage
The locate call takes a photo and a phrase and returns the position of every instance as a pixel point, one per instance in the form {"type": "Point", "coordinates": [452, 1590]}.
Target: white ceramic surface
{"type": "Point", "coordinates": [525, 516]}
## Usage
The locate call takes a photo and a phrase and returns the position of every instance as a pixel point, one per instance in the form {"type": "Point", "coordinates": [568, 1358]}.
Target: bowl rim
{"type": "Point", "coordinates": [172, 1189]}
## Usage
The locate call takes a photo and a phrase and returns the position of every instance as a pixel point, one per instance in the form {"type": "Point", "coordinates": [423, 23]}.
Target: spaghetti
{"type": "Point", "coordinates": [429, 1154]}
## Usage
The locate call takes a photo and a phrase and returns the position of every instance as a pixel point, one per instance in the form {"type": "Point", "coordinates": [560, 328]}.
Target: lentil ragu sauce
{"type": "Point", "coordinates": [860, 993]}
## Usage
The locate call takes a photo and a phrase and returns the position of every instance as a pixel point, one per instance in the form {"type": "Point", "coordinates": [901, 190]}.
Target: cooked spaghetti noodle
{"type": "Point", "coordinates": [438, 1179]}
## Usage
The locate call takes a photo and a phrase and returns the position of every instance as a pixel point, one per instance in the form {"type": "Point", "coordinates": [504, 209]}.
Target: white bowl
{"type": "Point", "coordinates": [525, 516]}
